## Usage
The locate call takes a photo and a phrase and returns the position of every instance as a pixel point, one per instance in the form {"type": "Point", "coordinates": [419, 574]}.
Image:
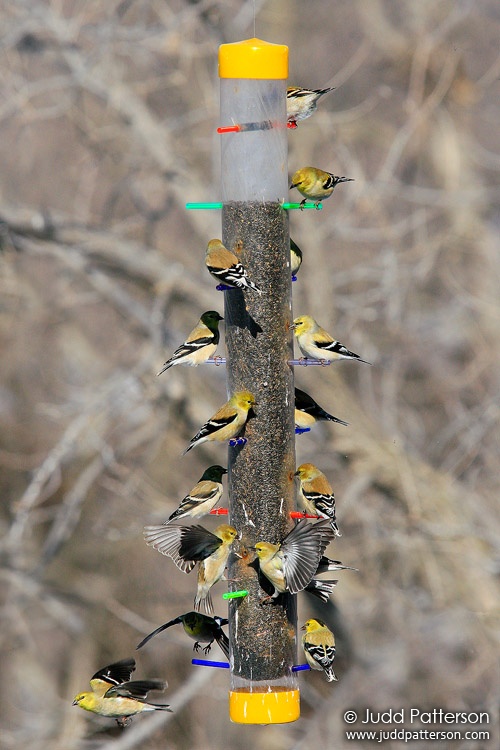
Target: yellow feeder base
{"type": "Point", "coordinates": [262, 706]}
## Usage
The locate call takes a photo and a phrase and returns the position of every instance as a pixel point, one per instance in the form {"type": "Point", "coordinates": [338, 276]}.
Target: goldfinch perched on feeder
{"type": "Point", "coordinates": [114, 696]}
{"type": "Point", "coordinates": [295, 257]}
{"type": "Point", "coordinates": [227, 422]}
{"type": "Point", "coordinates": [316, 343]}
{"type": "Point", "coordinates": [201, 628]}
{"type": "Point", "coordinates": [316, 184]}
{"type": "Point", "coordinates": [188, 545]}
{"type": "Point", "coordinates": [291, 565]}
{"type": "Point", "coordinates": [226, 268]}
{"type": "Point", "coordinates": [302, 103]}
{"type": "Point", "coordinates": [200, 345]}
{"type": "Point", "coordinates": [203, 497]}
{"type": "Point", "coordinates": [316, 495]}
{"type": "Point", "coordinates": [307, 411]}
{"type": "Point", "coordinates": [318, 643]}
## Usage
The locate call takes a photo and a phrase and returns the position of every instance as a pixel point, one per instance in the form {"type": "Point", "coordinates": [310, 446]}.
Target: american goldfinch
{"type": "Point", "coordinates": [201, 628]}
{"type": "Point", "coordinates": [291, 565]}
{"type": "Point", "coordinates": [188, 545]}
{"type": "Point", "coordinates": [316, 343]}
{"type": "Point", "coordinates": [203, 497]}
{"type": "Point", "coordinates": [316, 184]}
{"type": "Point", "coordinates": [316, 495]}
{"type": "Point", "coordinates": [318, 643]}
{"type": "Point", "coordinates": [227, 422]}
{"type": "Point", "coordinates": [295, 257]}
{"type": "Point", "coordinates": [301, 103]}
{"type": "Point", "coordinates": [225, 267]}
{"type": "Point", "coordinates": [307, 411]}
{"type": "Point", "coordinates": [200, 345]}
{"type": "Point", "coordinates": [114, 696]}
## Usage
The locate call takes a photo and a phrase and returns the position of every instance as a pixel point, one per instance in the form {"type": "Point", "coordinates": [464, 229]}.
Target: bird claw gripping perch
{"type": "Point", "coordinates": [237, 441]}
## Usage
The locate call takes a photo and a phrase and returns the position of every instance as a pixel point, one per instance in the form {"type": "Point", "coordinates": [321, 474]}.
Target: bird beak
{"type": "Point", "coordinates": [75, 703]}
{"type": "Point", "coordinates": [303, 627]}
{"type": "Point", "coordinates": [292, 326]}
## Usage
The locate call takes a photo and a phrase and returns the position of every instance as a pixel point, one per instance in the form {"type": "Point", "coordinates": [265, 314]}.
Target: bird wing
{"type": "Point", "coordinates": [333, 346]}
{"type": "Point", "coordinates": [204, 490]}
{"type": "Point", "coordinates": [199, 495]}
{"type": "Point", "coordinates": [138, 690]}
{"type": "Point", "coordinates": [186, 545]}
{"type": "Point", "coordinates": [158, 630]}
{"type": "Point", "coordinates": [197, 543]}
{"type": "Point", "coordinates": [232, 274]}
{"type": "Point", "coordinates": [323, 654]}
{"type": "Point", "coordinates": [194, 345]}
{"type": "Point", "coordinates": [113, 674]}
{"type": "Point", "coordinates": [302, 549]}
{"type": "Point", "coordinates": [215, 424]}
{"type": "Point", "coordinates": [167, 540]}
{"type": "Point", "coordinates": [305, 403]}
{"type": "Point", "coordinates": [323, 502]}
{"type": "Point", "coordinates": [190, 347]}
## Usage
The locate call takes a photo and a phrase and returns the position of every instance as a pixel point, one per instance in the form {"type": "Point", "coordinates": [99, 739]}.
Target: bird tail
{"type": "Point", "coordinates": [253, 286]}
{"type": "Point", "coordinates": [335, 528]}
{"type": "Point", "coordinates": [162, 706]}
{"type": "Point", "coordinates": [330, 418]}
{"type": "Point", "coordinates": [321, 589]}
{"type": "Point", "coordinates": [330, 674]}
{"type": "Point", "coordinates": [206, 599]}
{"type": "Point", "coordinates": [325, 564]}
{"type": "Point", "coordinates": [223, 642]}
{"type": "Point", "coordinates": [165, 367]}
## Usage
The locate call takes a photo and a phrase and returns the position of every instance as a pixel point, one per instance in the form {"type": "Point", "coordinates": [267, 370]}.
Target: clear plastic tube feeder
{"type": "Point", "coordinates": [263, 638]}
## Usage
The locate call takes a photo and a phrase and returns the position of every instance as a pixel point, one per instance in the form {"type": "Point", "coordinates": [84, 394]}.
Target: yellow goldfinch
{"type": "Point", "coordinates": [316, 184]}
{"type": "Point", "coordinates": [188, 545]}
{"type": "Point", "coordinates": [301, 103]}
{"type": "Point", "coordinates": [295, 257]}
{"type": "Point", "coordinates": [307, 411]}
{"type": "Point", "coordinates": [227, 422]}
{"type": "Point", "coordinates": [225, 267]}
{"type": "Point", "coordinates": [201, 628]}
{"type": "Point", "coordinates": [316, 494]}
{"type": "Point", "coordinates": [318, 643]}
{"type": "Point", "coordinates": [114, 696]}
{"type": "Point", "coordinates": [316, 343]}
{"type": "Point", "coordinates": [291, 565]}
{"type": "Point", "coordinates": [200, 345]}
{"type": "Point", "coordinates": [203, 497]}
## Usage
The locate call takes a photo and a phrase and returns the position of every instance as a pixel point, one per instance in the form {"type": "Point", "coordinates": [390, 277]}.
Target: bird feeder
{"type": "Point", "coordinates": [263, 637]}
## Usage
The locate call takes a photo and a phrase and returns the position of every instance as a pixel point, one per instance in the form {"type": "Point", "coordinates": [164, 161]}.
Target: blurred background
{"type": "Point", "coordinates": [107, 127]}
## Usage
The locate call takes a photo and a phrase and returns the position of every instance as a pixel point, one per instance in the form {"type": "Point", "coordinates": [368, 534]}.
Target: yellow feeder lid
{"type": "Point", "coordinates": [253, 58]}
{"type": "Point", "coordinates": [264, 706]}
